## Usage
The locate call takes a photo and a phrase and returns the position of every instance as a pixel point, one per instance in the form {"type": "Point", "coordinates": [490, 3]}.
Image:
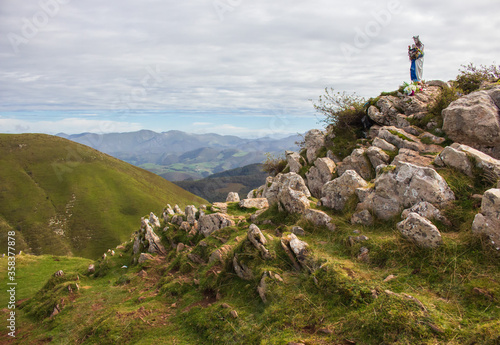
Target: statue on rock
{"type": "Point", "coordinates": [416, 54]}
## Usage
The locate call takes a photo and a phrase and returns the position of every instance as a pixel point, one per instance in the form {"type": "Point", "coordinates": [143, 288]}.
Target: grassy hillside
{"type": "Point", "coordinates": [399, 294]}
{"type": "Point", "coordinates": [65, 198]}
{"type": "Point", "coordinates": [216, 187]}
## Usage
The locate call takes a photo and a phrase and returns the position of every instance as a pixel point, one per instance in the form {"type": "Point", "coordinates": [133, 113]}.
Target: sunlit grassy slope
{"type": "Point", "coordinates": [66, 198]}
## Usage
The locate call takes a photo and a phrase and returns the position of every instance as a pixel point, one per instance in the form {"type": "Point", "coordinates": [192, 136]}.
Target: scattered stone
{"type": "Point", "coordinates": [142, 274]}
{"type": "Point", "coordinates": [319, 218]}
{"type": "Point", "coordinates": [225, 306]}
{"type": "Point", "coordinates": [413, 157]}
{"type": "Point", "coordinates": [234, 314]}
{"type": "Point", "coordinates": [91, 268]}
{"type": "Point", "coordinates": [233, 197]}
{"type": "Point", "coordinates": [262, 288]}
{"type": "Point", "coordinates": [427, 210]}
{"type": "Point", "coordinates": [59, 273]}
{"type": "Point", "coordinates": [401, 139]}
{"type": "Point", "coordinates": [297, 230]}
{"type": "Point", "coordinates": [338, 191]}
{"type": "Point", "coordinates": [177, 209]}
{"type": "Point", "coordinates": [242, 270]}
{"type": "Point", "coordinates": [389, 278]}
{"type": "Point", "coordinates": [487, 222]}
{"type": "Point", "coordinates": [353, 240]}
{"type": "Point", "coordinates": [364, 254]}
{"type": "Point", "coordinates": [177, 219]}
{"type": "Point", "coordinates": [145, 257]}
{"type": "Point", "coordinates": [461, 157]}
{"type": "Point", "coordinates": [363, 217]}
{"type": "Point", "coordinates": [420, 230]}
{"type": "Point", "coordinates": [104, 256]}
{"type": "Point", "coordinates": [221, 254]}
{"type": "Point", "coordinates": [258, 203]}
{"type": "Point", "coordinates": [185, 226]}
{"type": "Point", "coordinates": [57, 310]}
{"type": "Point", "coordinates": [274, 186]}
{"type": "Point", "coordinates": [256, 237]}
{"type": "Point", "coordinates": [212, 222]}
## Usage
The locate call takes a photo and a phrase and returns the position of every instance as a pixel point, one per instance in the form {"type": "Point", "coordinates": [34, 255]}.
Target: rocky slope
{"type": "Point", "coordinates": [397, 243]}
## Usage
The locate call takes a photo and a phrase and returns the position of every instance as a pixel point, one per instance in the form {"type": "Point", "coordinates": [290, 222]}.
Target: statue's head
{"type": "Point", "coordinates": [416, 39]}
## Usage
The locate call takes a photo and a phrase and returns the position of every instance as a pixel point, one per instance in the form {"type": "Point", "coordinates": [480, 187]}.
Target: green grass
{"type": "Point", "coordinates": [96, 199]}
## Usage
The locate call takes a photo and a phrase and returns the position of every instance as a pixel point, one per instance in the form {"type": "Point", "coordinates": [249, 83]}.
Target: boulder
{"type": "Point", "coordinates": [219, 207]}
{"type": "Point", "coordinates": [299, 248]}
{"type": "Point", "coordinates": [292, 201]}
{"type": "Point", "coordinates": [319, 174]}
{"type": "Point", "coordinates": [319, 218]}
{"type": "Point", "coordinates": [153, 220]}
{"type": "Point", "coordinates": [384, 145]}
{"type": "Point", "coordinates": [473, 120]}
{"type": "Point", "coordinates": [177, 219]}
{"type": "Point", "coordinates": [314, 140]}
{"type": "Point", "coordinates": [402, 186]}
{"type": "Point", "coordinates": [461, 156]}
{"type": "Point", "coordinates": [242, 270]}
{"type": "Point", "coordinates": [91, 268]}
{"type": "Point", "coordinates": [420, 230]}
{"type": "Point", "coordinates": [336, 192]}
{"type": "Point", "coordinates": [282, 181]}
{"type": "Point", "coordinates": [487, 222]}
{"type": "Point", "coordinates": [377, 156]}
{"type": "Point", "coordinates": [212, 222]}
{"type": "Point", "coordinates": [456, 159]}
{"type": "Point", "coordinates": [294, 161]}
{"type": "Point", "coordinates": [191, 214]}
{"type": "Point", "coordinates": [357, 161]}
{"type": "Point", "coordinates": [233, 197]}
{"type": "Point", "coordinates": [258, 203]}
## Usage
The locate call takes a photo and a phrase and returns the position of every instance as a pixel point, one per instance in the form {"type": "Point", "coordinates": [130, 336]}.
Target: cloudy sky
{"type": "Point", "coordinates": [248, 68]}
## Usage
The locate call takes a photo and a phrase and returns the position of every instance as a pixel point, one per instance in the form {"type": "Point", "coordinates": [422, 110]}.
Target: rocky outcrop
{"type": "Point", "coordinates": [420, 231]}
{"type": "Point", "coordinates": [212, 222]}
{"type": "Point", "coordinates": [297, 251]}
{"type": "Point", "coordinates": [314, 140]}
{"type": "Point", "coordinates": [401, 138]}
{"type": "Point", "coordinates": [474, 120]}
{"type": "Point", "coordinates": [357, 161]}
{"type": "Point", "coordinates": [402, 186]}
{"type": "Point", "coordinates": [258, 203]}
{"type": "Point", "coordinates": [233, 197]}
{"type": "Point", "coordinates": [336, 192]}
{"type": "Point", "coordinates": [148, 240]}
{"type": "Point", "coordinates": [413, 157]}
{"type": "Point", "coordinates": [294, 161]}
{"type": "Point", "coordinates": [384, 145]}
{"type": "Point", "coordinates": [319, 174]}
{"type": "Point", "coordinates": [363, 217]}
{"type": "Point", "coordinates": [487, 222]}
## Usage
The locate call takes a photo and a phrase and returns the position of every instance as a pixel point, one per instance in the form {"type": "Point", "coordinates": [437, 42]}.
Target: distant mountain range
{"type": "Point", "coordinates": [177, 155]}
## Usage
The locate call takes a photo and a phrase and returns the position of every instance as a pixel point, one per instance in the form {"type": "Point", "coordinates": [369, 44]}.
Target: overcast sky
{"type": "Point", "coordinates": [248, 68]}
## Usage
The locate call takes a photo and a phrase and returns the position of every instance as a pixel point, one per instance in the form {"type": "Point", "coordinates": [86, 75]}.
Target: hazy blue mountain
{"type": "Point", "coordinates": [177, 155]}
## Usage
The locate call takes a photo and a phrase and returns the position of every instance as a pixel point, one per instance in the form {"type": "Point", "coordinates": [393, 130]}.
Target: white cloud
{"type": "Point", "coordinates": [68, 126]}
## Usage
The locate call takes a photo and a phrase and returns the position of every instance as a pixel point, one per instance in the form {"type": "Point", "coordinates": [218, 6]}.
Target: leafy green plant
{"type": "Point", "coordinates": [342, 110]}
